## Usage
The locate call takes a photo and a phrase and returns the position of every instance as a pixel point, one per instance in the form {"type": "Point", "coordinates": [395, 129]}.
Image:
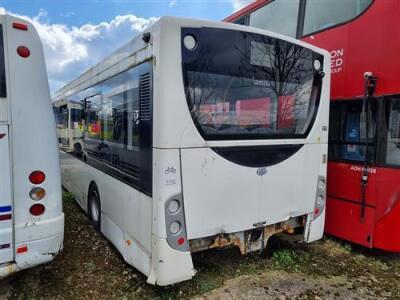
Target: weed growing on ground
{"type": "Point", "coordinates": [290, 259]}
{"type": "Point", "coordinates": [68, 197]}
{"type": "Point", "coordinates": [89, 266]}
{"type": "Point", "coordinates": [347, 247]}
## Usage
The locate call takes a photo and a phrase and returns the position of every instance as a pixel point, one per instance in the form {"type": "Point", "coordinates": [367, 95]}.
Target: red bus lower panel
{"type": "Point", "coordinates": [343, 221]}
{"type": "Point", "coordinates": [387, 231]}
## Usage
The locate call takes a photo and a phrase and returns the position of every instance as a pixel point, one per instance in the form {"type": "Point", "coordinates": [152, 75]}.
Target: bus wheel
{"type": "Point", "coordinates": [94, 207]}
{"type": "Point", "coordinates": [78, 150]}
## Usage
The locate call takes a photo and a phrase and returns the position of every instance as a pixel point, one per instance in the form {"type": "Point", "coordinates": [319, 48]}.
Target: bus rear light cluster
{"type": "Point", "coordinates": [181, 241]}
{"type": "Point", "coordinates": [23, 51]}
{"type": "Point", "coordinates": [320, 197]}
{"type": "Point", "coordinates": [20, 26]}
{"type": "Point", "coordinates": [37, 193]}
{"type": "Point", "coordinates": [173, 206]}
{"type": "Point", "coordinates": [37, 177]}
{"type": "Point", "coordinates": [175, 224]}
{"type": "Point", "coordinates": [37, 209]}
{"type": "Point", "coordinates": [175, 227]}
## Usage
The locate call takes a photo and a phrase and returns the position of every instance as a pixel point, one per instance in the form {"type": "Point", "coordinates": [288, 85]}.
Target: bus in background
{"type": "Point", "coordinates": [190, 144]}
{"type": "Point", "coordinates": [363, 38]}
{"type": "Point", "coordinates": [31, 217]}
{"type": "Point", "coordinates": [69, 122]}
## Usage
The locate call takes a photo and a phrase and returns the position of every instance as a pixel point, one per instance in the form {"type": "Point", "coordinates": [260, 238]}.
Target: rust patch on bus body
{"type": "Point", "coordinates": [247, 241]}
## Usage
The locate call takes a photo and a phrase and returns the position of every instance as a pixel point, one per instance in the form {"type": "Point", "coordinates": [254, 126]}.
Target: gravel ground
{"type": "Point", "coordinates": [90, 267]}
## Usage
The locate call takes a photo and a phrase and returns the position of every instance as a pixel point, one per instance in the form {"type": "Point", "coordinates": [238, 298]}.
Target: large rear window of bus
{"type": "Point", "coordinates": [2, 66]}
{"type": "Point", "coordinates": [250, 85]}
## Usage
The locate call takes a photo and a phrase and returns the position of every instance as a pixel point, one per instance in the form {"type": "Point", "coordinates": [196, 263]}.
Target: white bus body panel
{"type": "Point", "coordinates": [6, 225]}
{"type": "Point", "coordinates": [33, 146]}
{"type": "Point", "coordinates": [126, 213]}
{"type": "Point", "coordinates": [240, 198]}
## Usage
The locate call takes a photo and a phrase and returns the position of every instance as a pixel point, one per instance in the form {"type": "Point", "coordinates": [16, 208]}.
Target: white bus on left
{"type": "Point", "coordinates": [31, 216]}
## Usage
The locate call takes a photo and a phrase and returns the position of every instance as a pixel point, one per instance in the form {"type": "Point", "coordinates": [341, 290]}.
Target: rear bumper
{"type": "Point", "coordinates": [314, 229]}
{"type": "Point", "coordinates": [28, 232]}
{"type": "Point", "coordinates": [45, 242]}
{"type": "Point", "coordinates": [251, 240]}
{"type": "Point", "coordinates": [169, 266]}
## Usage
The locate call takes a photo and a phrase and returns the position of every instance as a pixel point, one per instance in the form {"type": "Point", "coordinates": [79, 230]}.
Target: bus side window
{"type": "Point", "coordinates": [92, 108]}
{"type": "Point", "coordinates": [324, 14]}
{"type": "Point", "coordinates": [393, 135]}
{"type": "Point", "coordinates": [347, 137]}
{"type": "Point", "coordinates": [353, 151]}
{"type": "Point", "coordinates": [278, 16]}
{"type": "Point", "coordinates": [133, 118]}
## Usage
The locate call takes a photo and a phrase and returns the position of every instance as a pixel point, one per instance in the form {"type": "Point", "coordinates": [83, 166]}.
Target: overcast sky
{"type": "Point", "coordinates": [77, 34]}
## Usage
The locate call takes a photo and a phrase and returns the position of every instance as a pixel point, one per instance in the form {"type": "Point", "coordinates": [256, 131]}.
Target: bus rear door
{"type": "Point", "coordinates": [6, 224]}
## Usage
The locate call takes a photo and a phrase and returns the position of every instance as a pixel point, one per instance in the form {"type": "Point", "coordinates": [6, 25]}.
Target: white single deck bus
{"type": "Point", "coordinates": [70, 124]}
{"type": "Point", "coordinates": [201, 135]}
{"type": "Point", "coordinates": [31, 217]}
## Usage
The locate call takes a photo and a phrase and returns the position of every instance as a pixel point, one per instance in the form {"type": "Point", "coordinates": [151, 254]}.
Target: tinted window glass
{"type": "Point", "coordinates": [93, 116]}
{"type": "Point", "coordinates": [347, 133]}
{"type": "Point", "coordinates": [113, 114]}
{"type": "Point", "coordinates": [251, 86]}
{"type": "Point", "coordinates": [393, 137]}
{"type": "Point", "coordinates": [279, 16]}
{"type": "Point", "coordinates": [323, 14]}
{"type": "Point", "coordinates": [61, 116]}
{"type": "Point", "coordinates": [241, 21]}
{"type": "Point", "coordinates": [117, 138]}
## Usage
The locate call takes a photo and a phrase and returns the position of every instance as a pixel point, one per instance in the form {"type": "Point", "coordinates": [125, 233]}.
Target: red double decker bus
{"type": "Point", "coordinates": [363, 37]}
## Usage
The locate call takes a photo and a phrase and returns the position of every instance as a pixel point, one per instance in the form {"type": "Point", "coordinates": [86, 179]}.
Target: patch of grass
{"type": "Point", "coordinates": [284, 258]}
{"type": "Point", "coordinates": [68, 197]}
{"type": "Point", "coordinates": [290, 259]}
{"type": "Point", "coordinates": [89, 266]}
{"type": "Point", "coordinates": [207, 285]}
{"type": "Point", "coordinates": [347, 247]}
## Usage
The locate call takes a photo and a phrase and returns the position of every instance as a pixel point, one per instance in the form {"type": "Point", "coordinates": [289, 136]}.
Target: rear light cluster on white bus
{"type": "Point", "coordinates": [37, 193]}
{"type": "Point", "coordinates": [175, 221]}
{"type": "Point", "coordinates": [321, 197]}
{"type": "Point", "coordinates": [20, 26]}
{"type": "Point", "coordinates": [22, 51]}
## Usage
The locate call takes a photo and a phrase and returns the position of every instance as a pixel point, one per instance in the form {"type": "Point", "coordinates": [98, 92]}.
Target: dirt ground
{"type": "Point", "coordinates": [89, 267]}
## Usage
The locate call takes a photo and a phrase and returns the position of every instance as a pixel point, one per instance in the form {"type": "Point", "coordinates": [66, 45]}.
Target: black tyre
{"type": "Point", "coordinates": [78, 150]}
{"type": "Point", "coordinates": [94, 207]}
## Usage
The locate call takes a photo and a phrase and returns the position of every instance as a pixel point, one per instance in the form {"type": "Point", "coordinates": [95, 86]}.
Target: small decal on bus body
{"type": "Point", "coordinates": [5, 209]}
{"type": "Point", "coordinates": [360, 169]}
{"type": "Point", "coordinates": [261, 171]}
{"type": "Point", "coordinates": [170, 174]}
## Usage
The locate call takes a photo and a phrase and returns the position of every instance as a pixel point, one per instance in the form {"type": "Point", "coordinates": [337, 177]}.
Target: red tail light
{"type": "Point", "coordinates": [37, 209]}
{"type": "Point", "coordinates": [23, 51]}
{"type": "Point", "coordinates": [20, 26]}
{"type": "Point", "coordinates": [37, 177]}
